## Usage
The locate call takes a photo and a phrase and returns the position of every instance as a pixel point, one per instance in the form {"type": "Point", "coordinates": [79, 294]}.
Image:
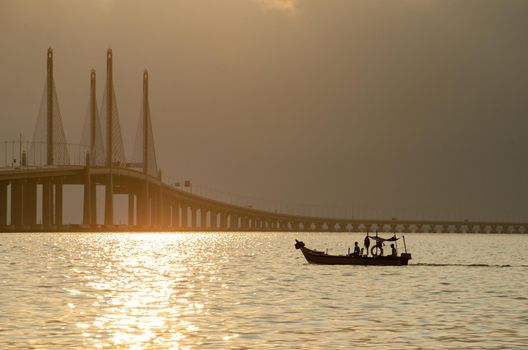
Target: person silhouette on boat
{"type": "Point", "coordinates": [366, 243]}
{"type": "Point", "coordinates": [394, 252]}
{"type": "Point", "coordinates": [356, 249]}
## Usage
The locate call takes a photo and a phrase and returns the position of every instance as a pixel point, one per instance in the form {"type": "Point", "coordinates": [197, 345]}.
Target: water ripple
{"type": "Point", "coordinates": [255, 291]}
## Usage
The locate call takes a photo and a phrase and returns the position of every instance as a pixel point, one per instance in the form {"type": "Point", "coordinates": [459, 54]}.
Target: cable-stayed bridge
{"type": "Point", "coordinates": [33, 174]}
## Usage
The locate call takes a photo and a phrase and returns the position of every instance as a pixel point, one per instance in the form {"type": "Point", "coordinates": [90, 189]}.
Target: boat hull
{"type": "Point", "coordinates": [315, 257]}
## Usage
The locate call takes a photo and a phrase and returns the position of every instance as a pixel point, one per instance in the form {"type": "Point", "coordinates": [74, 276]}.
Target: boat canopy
{"type": "Point", "coordinates": [380, 239]}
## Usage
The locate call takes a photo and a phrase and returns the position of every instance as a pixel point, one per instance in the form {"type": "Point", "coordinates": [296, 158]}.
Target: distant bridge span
{"type": "Point", "coordinates": [152, 204]}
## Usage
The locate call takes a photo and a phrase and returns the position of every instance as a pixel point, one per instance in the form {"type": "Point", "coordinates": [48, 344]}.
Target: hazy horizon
{"type": "Point", "coordinates": [411, 109]}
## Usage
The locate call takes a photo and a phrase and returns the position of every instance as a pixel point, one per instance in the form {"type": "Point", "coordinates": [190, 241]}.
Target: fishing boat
{"type": "Point", "coordinates": [376, 255]}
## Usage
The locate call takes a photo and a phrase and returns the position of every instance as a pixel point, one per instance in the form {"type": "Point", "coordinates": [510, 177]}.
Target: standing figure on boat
{"type": "Point", "coordinates": [356, 250]}
{"type": "Point", "coordinates": [366, 243]}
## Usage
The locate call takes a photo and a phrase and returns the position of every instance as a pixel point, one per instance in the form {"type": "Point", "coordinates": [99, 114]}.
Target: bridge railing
{"type": "Point", "coordinates": [15, 154]}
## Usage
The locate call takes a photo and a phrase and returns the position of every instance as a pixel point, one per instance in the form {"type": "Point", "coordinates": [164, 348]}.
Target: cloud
{"type": "Point", "coordinates": [284, 5]}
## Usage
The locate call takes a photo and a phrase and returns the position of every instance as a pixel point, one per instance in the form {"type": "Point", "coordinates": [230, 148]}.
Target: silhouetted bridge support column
{"type": "Point", "coordinates": [233, 222]}
{"type": "Point", "coordinates": [158, 202]}
{"type": "Point", "coordinates": [223, 220]}
{"type": "Point", "coordinates": [16, 203]}
{"type": "Point", "coordinates": [131, 209]}
{"type": "Point", "coordinates": [143, 204]}
{"type": "Point", "coordinates": [90, 197]}
{"type": "Point", "coordinates": [184, 215]}
{"type": "Point", "coordinates": [175, 214]}
{"type": "Point", "coordinates": [87, 197]}
{"type": "Point", "coordinates": [58, 202]}
{"type": "Point", "coordinates": [214, 219]}
{"type": "Point", "coordinates": [154, 207]}
{"type": "Point", "coordinates": [47, 203]}
{"type": "Point", "coordinates": [166, 217]}
{"type": "Point", "coordinates": [29, 205]}
{"type": "Point", "coordinates": [168, 214]}
{"type": "Point", "coordinates": [194, 213]}
{"type": "Point", "coordinates": [178, 208]}
{"type": "Point", "coordinates": [23, 203]}
{"type": "Point", "coordinates": [203, 218]}
{"type": "Point", "coordinates": [109, 200]}
{"type": "Point", "coordinates": [52, 202]}
{"type": "Point", "coordinates": [3, 204]}
{"type": "Point", "coordinates": [157, 207]}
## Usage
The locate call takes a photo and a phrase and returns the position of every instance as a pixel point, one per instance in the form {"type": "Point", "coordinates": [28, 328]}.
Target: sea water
{"type": "Point", "coordinates": [255, 291]}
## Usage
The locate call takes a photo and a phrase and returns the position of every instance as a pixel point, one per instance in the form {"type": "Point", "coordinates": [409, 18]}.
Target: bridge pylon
{"type": "Point", "coordinates": [49, 108]}
{"type": "Point", "coordinates": [109, 186]}
{"type": "Point", "coordinates": [49, 133]}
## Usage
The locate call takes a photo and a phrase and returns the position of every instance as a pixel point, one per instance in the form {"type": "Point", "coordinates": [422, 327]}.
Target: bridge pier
{"type": "Point", "coordinates": [93, 210]}
{"type": "Point", "coordinates": [131, 209]}
{"type": "Point", "coordinates": [166, 217]}
{"type": "Point", "coordinates": [156, 208]}
{"type": "Point", "coordinates": [168, 206]}
{"type": "Point", "coordinates": [229, 221]}
{"type": "Point", "coordinates": [143, 205]}
{"type": "Point", "coordinates": [177, 215]}
{"type": "Point", "coordinates": [248, 223]}
{"type": "Point", "coordinates": [223, 221]}
{"type": "Point", "coordinates": [184, 216]}
{"type": "Point", "coordinates": [3, 204]}
{"type": "Point", "coordinates": [16, 203]}
{"type": "Point", "coordinates": [203, 218]}
{"type": "Point", "coordinates": [109, 200]}
{"type": "Point", "coordinates": [176, 218]}
{"type": "Point", "coordinates": [213, 219]}
{"type": "Point", "coordinates": [151, 211]}
{"type": "Point", "coordinates": [87, 200]}
{"type": "Point", "coordinates": [234, 222]}
{"type": "Point", "coordinates": [47, 203]}
{"type": "Point", "coordinates": [194, 217]}
{"type": "Point", "coordinates": [29, 206]}
{"type": "Point", "coordinates": [245, 223]}
{"type": "Point", "coordinates": [173, 213]}
{"type": "Point", "coordinates": [58, 202]}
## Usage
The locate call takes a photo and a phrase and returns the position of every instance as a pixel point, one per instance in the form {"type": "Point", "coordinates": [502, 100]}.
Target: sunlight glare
{"type": "Point", "coordinates": [284, 5]}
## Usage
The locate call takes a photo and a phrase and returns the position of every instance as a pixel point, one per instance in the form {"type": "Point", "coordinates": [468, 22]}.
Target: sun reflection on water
{"type": "Point", "coordinates": [142, 294]}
